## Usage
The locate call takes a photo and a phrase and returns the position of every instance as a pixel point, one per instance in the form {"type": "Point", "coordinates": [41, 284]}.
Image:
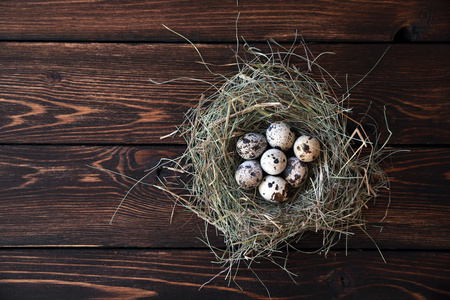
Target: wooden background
{"type": "Point", "coordinates": [75, 91]}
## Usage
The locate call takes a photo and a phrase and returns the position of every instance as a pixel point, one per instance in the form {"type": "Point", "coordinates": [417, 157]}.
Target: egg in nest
{"type": "Point", "coordinates": [274, 189]}
{"type": "Point", "coordinates": [295, 172]}
{"type": "Point", "coordinates": [280, 136]}
{"type": "Point", "coordinates": [307, 148]}
{"type": "Point", "coordinates": [273, 161]}
{"type": "Point", "coordinates": [249, 174]}
{"type": "Point", "coordinates": [251, 145]}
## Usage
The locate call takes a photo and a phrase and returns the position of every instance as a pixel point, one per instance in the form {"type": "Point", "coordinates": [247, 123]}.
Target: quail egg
{"type": "Point", "coordinates": [280, 136]}
{"type": "Point", "coordinates": [251, 145]}
{"type": "Point", "coordinates": [249, 174]}
{"type": "Point", "coordinates": [296, 172]}
{"type": "Point", "coordinates": [307, 148]}
{"type": "Point", "coordinates": [273, 161]}
{"type": "Point", "coordinates": [274, 189]}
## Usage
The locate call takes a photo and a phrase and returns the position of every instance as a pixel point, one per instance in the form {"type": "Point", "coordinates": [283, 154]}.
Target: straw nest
{"type": "Point", "coordinates": [268, 88]}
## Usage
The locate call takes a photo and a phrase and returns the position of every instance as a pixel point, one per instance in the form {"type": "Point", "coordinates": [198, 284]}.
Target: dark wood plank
{"type": "Point", "coordinates": [211, 20]}
{"type": "Point", "coordinates": [101, 93]}
{"type": "Point", "coordinates": [175, 274]}
{"type": "Point", "coordinates": [49, 197]}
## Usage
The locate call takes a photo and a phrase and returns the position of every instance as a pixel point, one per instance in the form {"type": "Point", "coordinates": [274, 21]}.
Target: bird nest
{"type": "Point", "coordinates": [268, 88]}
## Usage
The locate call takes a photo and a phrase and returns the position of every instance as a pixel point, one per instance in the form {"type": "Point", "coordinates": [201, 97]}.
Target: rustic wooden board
{"type": "Point", "coordinates": [49, 197]}
{"type": "Point", "coordinates": [100, 93]}
{"type": "Point", "coordinates": [214, 21]}
{"type": "Point", "coordinates": [131, 274]}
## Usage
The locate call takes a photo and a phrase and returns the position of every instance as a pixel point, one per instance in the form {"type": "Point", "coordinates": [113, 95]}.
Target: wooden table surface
{"type": "Point", "coordinates": [75, 91]}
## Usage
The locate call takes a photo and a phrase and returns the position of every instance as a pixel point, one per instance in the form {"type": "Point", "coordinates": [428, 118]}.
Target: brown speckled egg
{"type": "Point", "coordinates": [274, 189]}
{"type": "Point", "coordinates": [280, 136]}
{"type": "Point", "coordinates": [296, 172]}
{"type": "Point", "coordinates": [251, 145]}
{"type": "Point", "coordinates": [273, 161]}
{"type": "Point", "coordinates": [307, 148]}
{"type": "Point", "coordinates": [249, 174]}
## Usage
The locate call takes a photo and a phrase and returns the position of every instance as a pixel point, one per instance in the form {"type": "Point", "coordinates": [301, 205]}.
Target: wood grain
{"type": "Point", "coordinates": [214, 21]}
{"type": "Point", "coordinates": [177, 274]}
{"type": "Point", "coordinates": [100, 93]}
{"type": "Point", "coordinates": [50, 197]}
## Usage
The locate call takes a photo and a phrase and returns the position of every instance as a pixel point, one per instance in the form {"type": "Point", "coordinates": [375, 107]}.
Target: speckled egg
{"type": "Point", "coordinates": [249, 174]}
{"type": "Point", "coordinates": [274, 189]}
{"type": "Point", "coordinates": [280, 136]}
{"type": "Point", "coordinates": [296, 172]}
{"type": "Point", "coordinates": [273, 161]}
{"type": "Point", "coordinates": [307, 148]}
{"type": "Point", "coordinates": [251, 145]}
